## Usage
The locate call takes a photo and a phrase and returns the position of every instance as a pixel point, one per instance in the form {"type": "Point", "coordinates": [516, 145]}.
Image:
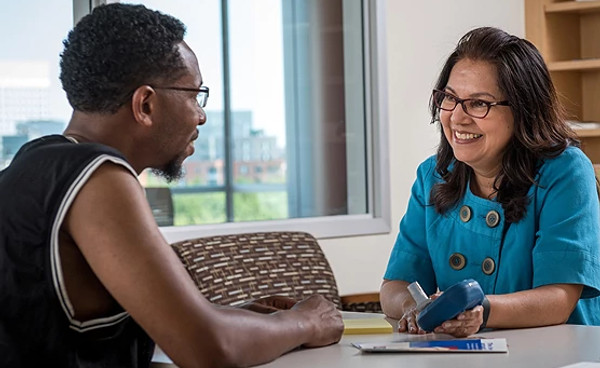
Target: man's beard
{"type": "Point", "coordinates": [172, 171]}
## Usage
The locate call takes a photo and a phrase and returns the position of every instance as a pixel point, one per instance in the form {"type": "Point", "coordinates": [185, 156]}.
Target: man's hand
{"type": "Point", "coordinates": [323, 318]}
{"type": "Point", "coordinates": [269, 304]}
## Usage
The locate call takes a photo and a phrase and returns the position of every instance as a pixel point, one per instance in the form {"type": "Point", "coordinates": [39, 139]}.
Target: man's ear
{"type": "Point", "coordinates": [143, 104]}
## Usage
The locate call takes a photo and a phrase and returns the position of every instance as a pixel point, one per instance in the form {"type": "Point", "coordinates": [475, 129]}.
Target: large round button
{"type": "Point", "coordinates": [492, 219]}
{"type": "Point", "coordinates": [457, 261]}
{"type": "Point", "coordinates": [465, 213]}
{"type": "Point", "coordinates": [488, 266]}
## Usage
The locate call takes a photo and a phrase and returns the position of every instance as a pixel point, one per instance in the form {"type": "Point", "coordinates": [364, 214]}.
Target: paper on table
{"type": "Point", "coordinates": [437, 346]}
{"type": "Point", "coordinates": [360, 326]}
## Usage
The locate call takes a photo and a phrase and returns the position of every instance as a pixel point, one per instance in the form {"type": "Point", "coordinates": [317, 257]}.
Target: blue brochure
{"type": "Point", "coordinates": [437, 346]}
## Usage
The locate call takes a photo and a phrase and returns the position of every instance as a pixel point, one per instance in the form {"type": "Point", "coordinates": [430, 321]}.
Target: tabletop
{"type": "Point", "coordinates": [553, 346]}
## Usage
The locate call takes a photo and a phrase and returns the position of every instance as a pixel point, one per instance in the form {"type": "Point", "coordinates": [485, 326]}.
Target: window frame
{"type": "Point", "coordinates": [378, 217]}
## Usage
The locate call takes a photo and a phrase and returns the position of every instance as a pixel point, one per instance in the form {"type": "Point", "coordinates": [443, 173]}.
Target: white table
{"type": "Point", "coordinates": [553, 346]}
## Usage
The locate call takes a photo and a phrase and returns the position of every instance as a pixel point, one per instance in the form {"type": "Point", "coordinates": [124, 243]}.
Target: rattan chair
{"type": "Point", "coordinates": [366, 303]}
{"type": "Point", "coordinates": [232, 269]}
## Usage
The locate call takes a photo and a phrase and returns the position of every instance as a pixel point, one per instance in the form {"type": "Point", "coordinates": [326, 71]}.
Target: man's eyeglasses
{"type": "Point", "coordinates": [473, 107]}
{"type": "Point", "coordinates": [201, 97]}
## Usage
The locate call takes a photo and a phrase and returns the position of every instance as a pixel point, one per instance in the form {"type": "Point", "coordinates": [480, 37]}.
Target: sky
{"type": "Point", "coordinates": [33, 31]}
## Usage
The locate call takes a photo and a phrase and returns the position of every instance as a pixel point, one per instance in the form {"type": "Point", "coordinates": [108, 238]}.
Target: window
{"type": "Point", "coordinates": [290, 112]}
{"type": "Point", "coordinates": [32, 102]}
{"type": "Point", "coordinates": [292, 138]}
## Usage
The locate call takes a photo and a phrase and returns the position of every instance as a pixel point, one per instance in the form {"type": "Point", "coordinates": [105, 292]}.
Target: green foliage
{"type": "Point", "coordinates": [260, 206]}
{"type": "Point", "coordinates": [209, 208]}
{"type": "Point", "coordinates": [199, 208]}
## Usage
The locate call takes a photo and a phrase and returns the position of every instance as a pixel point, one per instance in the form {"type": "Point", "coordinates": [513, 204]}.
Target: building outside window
{"type": "Point", "coordinates": [32, 102]}
{"type": "Point", "coordinates": [291, 128]}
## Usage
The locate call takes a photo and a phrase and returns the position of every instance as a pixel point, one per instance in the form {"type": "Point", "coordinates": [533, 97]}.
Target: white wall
{"type": "Point", "coordinates": [420, 35]}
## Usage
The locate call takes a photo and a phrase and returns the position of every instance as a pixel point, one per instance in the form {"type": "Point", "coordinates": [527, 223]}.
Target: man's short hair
{"type": "Point", "coordinates": [114, 50]}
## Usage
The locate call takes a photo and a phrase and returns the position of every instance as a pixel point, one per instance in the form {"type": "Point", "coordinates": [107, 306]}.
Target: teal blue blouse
{"type": "Point", "coordinates": [558, 240]}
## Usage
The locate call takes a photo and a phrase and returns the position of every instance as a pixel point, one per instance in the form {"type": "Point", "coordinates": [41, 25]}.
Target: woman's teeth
{"type": "Point", "coordinates": [466, 136]}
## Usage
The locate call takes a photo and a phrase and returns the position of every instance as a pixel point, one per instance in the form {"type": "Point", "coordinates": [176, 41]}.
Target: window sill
{"type": "Point", "coordinates": [319, 227]}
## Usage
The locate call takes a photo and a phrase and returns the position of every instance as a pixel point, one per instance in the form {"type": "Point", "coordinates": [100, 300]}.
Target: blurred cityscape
{"type": "Point", "coordinates": [246, 183]}
{"type": "Point", "coordinates": [257, 157]}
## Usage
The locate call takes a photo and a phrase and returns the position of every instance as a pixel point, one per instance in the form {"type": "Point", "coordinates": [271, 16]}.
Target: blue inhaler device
{"type": "Point", "coordinates": [456, 299]}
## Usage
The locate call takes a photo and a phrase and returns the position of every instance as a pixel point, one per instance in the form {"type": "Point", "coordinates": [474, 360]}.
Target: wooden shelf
{"type": "Point", "coordinates": [586, 133]}
{"type": "Point", "coordinates": [574, 65]}
{"type": "Point", "coordinates": [573, 7]}
{"type": "Point", "coordinates": [567, 33]}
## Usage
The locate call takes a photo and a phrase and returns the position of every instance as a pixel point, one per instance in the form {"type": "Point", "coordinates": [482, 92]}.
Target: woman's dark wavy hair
{"type": "Point", "coordinates": [114, 50]}
{"type": "Point", "coordinates": [540, 130]}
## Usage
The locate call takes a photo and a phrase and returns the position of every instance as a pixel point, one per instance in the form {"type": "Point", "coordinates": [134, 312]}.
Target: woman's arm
{"type": "Point", "coordinates": [542, 306]}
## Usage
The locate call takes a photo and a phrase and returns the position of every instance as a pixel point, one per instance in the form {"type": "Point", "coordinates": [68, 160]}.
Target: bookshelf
{"type": "Point", "coordinates": [567, 33]}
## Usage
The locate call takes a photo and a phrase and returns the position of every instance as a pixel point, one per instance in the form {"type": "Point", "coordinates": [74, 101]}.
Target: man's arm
{"type": "Point", "coordinates": [269, 304]}
{"type": "Point", "coordinates": [112, 224]}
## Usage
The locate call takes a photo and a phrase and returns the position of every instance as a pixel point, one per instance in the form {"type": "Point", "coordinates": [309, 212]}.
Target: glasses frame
{"type": "Point", "coordinates": [462, 102]}
{"type": "Point", "coordinates": [201, 97]}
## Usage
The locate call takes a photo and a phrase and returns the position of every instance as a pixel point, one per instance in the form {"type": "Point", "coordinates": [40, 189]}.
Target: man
{"type": "Point", "coordinates": [87, 278]}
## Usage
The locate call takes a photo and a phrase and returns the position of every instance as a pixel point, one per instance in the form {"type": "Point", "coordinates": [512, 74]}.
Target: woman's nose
{"type": "Point", "coordinates": [459, 116]}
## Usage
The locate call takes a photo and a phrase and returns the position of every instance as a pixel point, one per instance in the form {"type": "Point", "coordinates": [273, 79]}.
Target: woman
{"type": "Point", "coordinates": [509, 200]}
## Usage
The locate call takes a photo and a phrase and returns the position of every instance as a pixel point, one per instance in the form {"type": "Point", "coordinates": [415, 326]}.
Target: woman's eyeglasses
{"type": "Point", "coordinates": [473, 107]}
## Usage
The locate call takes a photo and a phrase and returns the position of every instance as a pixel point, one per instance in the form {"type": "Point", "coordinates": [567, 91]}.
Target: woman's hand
{"type": "Point", "coordinates": [408, 323]}
{"type": "Point", "coordinates": [465, 324]}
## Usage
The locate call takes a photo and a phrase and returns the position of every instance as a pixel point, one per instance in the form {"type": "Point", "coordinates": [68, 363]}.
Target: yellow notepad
{"type": "Point", "coordinates": [363, 326]}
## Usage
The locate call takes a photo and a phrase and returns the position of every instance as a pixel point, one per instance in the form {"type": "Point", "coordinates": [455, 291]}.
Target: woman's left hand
{"type": "Point", "coordinates": [465, 324]}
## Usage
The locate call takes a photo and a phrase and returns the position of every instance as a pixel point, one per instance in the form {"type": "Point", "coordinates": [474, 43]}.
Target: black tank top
{"type": "Point", "coordinates": [37, 324]}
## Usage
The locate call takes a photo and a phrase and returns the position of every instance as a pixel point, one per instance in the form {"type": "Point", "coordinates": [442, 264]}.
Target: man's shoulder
{"type": "Point", "coordinates": [59, 142]}
{"type": "Point", "coordinates": [59, 150]}
{"type": "Point", "coordinates": [55, 160]}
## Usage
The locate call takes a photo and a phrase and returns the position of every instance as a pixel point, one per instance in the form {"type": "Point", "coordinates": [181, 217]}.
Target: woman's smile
{"type": "Point", "coordinates": [460, 137]}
